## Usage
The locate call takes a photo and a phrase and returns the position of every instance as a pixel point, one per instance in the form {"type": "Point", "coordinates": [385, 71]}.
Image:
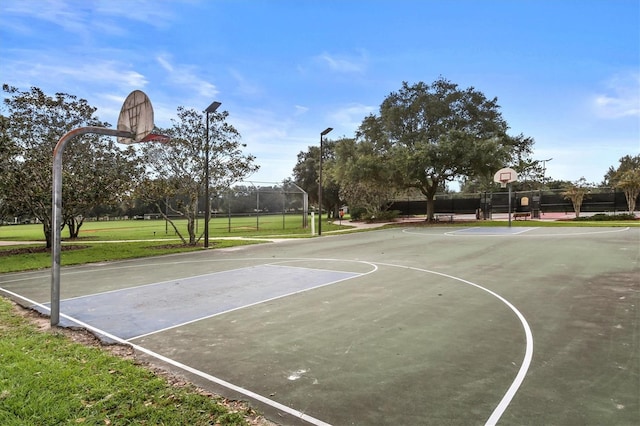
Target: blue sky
{"type": "Point", "coordinates": [566, 73]}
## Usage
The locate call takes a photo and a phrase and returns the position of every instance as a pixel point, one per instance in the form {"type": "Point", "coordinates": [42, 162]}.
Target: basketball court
{"type": "Point", "coordinates": [434, 325]}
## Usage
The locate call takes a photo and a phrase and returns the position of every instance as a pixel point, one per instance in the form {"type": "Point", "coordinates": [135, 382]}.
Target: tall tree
{"type": "Point", "coordinates": [439, 132]}
{"type": "Point", "coordinates": [577, 192]}
{"type": "Point", "coordinates": [366, 182]}
{"type": "Point", "coordinates": [8, 151]}
{"type": "Point", "coordinates": [36, 122]}
{"type": "Point", "coordinates": [305, 172]}
{"type": "Point", "coordinates": [628, 162]}
{"type": "Point", "coordinates": [627, 178]}
{"type": "Point", "coordinates": [177, 169]}
{"type": "Point", "coordinates": [629, 182]}
{"type": "Point", "coordinates": [306, 175]}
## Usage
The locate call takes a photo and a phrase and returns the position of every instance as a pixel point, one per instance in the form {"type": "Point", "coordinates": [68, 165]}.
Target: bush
{"type": "Point", "coordinates": [601, 217]}
{"type": "Point", "coordinates": [357, 213]}
{"type": "Point", "coordinates": [385, 216]}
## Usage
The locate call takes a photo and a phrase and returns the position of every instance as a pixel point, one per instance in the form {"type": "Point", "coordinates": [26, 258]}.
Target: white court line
{"type": "Point", "coordinates": [459, 233]}
{"type": "Point", "coordinates": [528, 354]}
{"type": "Point", "coordinates": [465, 232]}
{"type": "Point", "coordinates": [291, 411]}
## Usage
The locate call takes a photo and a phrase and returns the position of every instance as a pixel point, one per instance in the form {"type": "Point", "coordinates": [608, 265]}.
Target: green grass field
{"type": "Point", "coordinates": [127, 239]}
{"type": "Point", "coordinates": [265, 225]}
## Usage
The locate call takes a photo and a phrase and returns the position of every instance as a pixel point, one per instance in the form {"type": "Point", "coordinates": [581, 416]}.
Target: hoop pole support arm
{"type": "Point", "coordinates": [56, 214]}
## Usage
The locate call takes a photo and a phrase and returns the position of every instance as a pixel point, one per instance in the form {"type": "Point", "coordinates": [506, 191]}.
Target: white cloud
{"type": "Point", "coordinates": [244, 86]}
{"type": "Point", "coordinates": [300, 110]}
{"type": "Point", "coordinates": [345, 64]}
{"type": "Point", "coordinates": [622, 97]}
{"type": "Point", "coordinates": [150, 12]}
{"type": "Point", "coordinates": [34, 69]}
{"type": "Point", "coordinates": [68, 15]}
{"type": "Point", "coordinates": [350, 117]}
{"type": "Point", "coordinates": [185, 76]}
{"type": "Point", "coordinates": [83, 17]}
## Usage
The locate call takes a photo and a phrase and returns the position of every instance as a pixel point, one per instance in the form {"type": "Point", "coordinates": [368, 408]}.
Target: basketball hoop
{"type": "Point", "coordinates": [136, 117]}
{"type": "Point", "coordinates": [155, 137]}
{"type": "Point", "coordinates": [505, 176]}
{"type": "Point", "coordinates": [135, 124]}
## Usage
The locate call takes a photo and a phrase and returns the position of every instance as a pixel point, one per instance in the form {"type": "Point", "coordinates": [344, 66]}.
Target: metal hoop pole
{"type": "Point", "coordinates": [56, 214]}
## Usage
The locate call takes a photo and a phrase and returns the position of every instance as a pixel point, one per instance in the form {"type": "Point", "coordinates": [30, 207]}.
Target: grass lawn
{"type": "Point", "coordinates": [116, 240]}
{"type": "Point", "coordinates": [29, 257]}
{"type": "Point", "coordinates": [265, 225]}
{"type": "Point", "coordinates": [48, 379]}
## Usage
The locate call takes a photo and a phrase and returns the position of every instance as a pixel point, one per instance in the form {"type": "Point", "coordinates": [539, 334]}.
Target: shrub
{"type": "Point", "coordinates": [601, 217]}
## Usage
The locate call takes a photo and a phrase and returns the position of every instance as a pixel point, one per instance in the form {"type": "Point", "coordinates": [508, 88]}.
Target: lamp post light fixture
{"type": "Point", "coordinates": [207, 210]}
{"type": "Point", "coordinates": [323, 133]}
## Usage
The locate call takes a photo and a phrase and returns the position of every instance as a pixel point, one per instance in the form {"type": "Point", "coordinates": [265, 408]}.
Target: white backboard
{"type": "Point", "coordinates": [136, 116]}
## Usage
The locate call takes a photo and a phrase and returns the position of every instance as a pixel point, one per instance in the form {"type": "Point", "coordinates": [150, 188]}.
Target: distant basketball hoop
{"type": "Point", "coordinates": [505, 176]}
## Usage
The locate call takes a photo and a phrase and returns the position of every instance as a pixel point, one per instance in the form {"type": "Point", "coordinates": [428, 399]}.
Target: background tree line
{"type": "Point", "coordinates": [424, 137]}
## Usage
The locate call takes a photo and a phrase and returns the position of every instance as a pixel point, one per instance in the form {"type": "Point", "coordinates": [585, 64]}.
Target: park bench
{"type": "Point", "coordinates": [524, 215]}
{"type": "Point", "coordinates": [439, 216]}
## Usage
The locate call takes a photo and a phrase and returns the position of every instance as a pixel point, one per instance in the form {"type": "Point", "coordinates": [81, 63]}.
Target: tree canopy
{"type": "Point", "coordinates": [424, 136]}
{"type": "Point", "coordinates": [577, 192]}
{"type": "Point", "coordinates": [627, 178]}
{"type": "Point", "coordinates": [306, 175]}
{"type": "Point", "coordinates": [95, 171]}
{"type": "Point", "coordinates": [439, 132]}
{"type": "Point", "coordinates": [177, 169]}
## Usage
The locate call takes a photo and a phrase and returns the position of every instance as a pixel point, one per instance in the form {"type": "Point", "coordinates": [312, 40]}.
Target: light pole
{"type": "Point", "coordinates": [324, 132]}
{"type": "Point", "coordinates": [544, 170]}
{"type": "Point", "coordinates": [207, 211]}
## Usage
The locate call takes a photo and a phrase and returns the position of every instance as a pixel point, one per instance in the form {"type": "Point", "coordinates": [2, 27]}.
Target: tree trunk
{"type": "Point", "coordinates": [74, 226]}
{"type": "Point", "coordinates": [192, 215]}
{"type": "Point", "coordinates": [46, 228]}
{"type": "Point", "coordinates": [191, 229]}
{"type": "Point", "coordinates": [173, 225]}
{"type": "Point", "coordinates": [631, 195]}
{"type": "Point", "coordinates": [429, 192]}
{"type": "Point", "coordinates": [430, 208]}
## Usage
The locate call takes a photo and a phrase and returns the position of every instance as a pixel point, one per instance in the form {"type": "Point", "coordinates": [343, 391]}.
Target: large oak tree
{"type": "Point", "coordinates": [434, 133]}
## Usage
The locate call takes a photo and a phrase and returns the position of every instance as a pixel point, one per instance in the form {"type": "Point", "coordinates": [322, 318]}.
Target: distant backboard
{"type": "Point", "coordinates": [505, 176]}
{"type": "Point", "coordinates": [136, 116]}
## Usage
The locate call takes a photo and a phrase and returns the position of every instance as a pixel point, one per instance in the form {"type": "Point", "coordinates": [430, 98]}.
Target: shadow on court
{"type": "Point", "coordinates": [401, 326]}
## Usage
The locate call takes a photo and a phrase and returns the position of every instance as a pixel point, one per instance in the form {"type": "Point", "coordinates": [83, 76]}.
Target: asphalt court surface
{"type": "Point", "coordinates": [435, 325]}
